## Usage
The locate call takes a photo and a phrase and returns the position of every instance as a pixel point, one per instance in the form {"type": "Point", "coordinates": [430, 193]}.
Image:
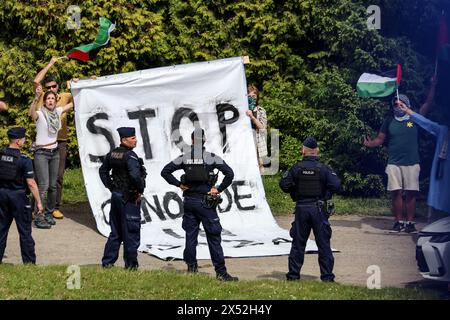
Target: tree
{"type": "Point", "coordinates": [306, 55]}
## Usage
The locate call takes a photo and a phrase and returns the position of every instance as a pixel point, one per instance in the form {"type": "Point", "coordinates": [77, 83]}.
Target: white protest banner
{"type": "Point", "coordinates": [159, 102]}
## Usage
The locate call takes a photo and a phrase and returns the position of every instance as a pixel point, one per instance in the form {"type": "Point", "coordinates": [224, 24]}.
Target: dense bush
{"type": "Point", "coordinates": [306, 57]}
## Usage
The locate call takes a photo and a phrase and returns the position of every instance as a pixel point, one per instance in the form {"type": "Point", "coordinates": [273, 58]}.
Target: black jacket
{"type": "Point", "coordinates": [328, 178]}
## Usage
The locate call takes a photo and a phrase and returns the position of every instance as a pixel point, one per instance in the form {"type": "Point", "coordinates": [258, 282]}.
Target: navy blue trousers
{"type": "Point", "coordinates": [14, 204]}
{"type": "Point", "coordinates": [309, 217]}
{"type": "Point", "coordinates": [194, 213]}
{"type": "Point", "coordinates": [125, 222]}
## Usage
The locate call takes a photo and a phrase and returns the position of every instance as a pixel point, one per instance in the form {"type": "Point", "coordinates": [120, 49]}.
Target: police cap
{"type": "Point", "coordinates": [16, 133]}
{"type": "Point", "coordinates": [125, 132]}
{"type": "Point", "coordinates": [310, 142]}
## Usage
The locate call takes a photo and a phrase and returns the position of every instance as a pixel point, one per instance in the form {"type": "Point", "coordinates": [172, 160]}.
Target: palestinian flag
{"type": "Point", "coordinates": [377, 86]}
{"type": "Point", "coordinates": [82, 52]}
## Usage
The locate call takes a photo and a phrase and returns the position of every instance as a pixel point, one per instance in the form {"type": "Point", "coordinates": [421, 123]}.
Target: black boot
{"type": "Point", "coordinates": [192, 268]}
{"type": "Point", "coordinates": [226, 277]}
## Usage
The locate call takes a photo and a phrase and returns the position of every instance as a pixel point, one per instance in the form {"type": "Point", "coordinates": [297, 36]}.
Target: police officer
{"type": "Point", "coordinates": [310, 184]}
{"type": "Point", "coordinates": [127, 184]}
{"type": "Point", "coordinates": [16, 174]}
{"type": "Point", "coordinates": [198, 186]}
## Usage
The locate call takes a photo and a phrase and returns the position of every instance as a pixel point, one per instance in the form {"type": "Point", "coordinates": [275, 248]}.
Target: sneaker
{"type": "Point", "coordinates": [226, 277]}
{"type": "Point", "coordinates": [41, 223]}
{"type": "Point", "coordinates": [49, 218]}
{"type": "Point", "coordinates": [107, 266]}
{"type": "Point", "coordinates": [192, 268]}
{"type": "Point", "coordinates": [410, 227]}
{"type": "Point", "coordinates": [398, 226]}
{"type": "Point", "coordinates": [57, 214]}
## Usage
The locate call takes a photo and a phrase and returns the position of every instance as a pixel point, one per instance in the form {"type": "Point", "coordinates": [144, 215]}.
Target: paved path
{"type": "Point", "coordinates": [362, 241]}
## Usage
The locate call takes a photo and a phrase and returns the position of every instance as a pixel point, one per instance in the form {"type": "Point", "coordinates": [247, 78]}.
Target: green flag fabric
{"type": "Point", "coordinates": [82, 52]}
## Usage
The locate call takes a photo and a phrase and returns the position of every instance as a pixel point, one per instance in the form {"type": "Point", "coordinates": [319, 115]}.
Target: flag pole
{"type": "Point", "coordinates": [399, 77]}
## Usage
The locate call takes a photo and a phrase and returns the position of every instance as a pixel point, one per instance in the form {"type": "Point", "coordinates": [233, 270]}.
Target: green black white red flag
{"type": "Point", "coordinates": [382, 85]}
{"type": "Point", "coordinates": [82, 52]}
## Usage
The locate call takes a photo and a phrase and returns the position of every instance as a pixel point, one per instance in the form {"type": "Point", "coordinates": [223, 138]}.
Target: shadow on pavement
{"type": "Point", "coordinates": [383, 225]}
{"type": "Point", "coordinates": [80, 213]}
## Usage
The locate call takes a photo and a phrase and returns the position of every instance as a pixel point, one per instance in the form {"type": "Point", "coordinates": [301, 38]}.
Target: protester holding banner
{"type": "Point", "coordinates": [201, 198]}
{"type": "Point", "coordinates": [310, 184]}
{"type": "Point", "coordinates": [48, 120]}
{"type": "Point", "coordinates": [258, 118]}
{"type": "Point", "coordinates": [123, 173]}
{"type": "Point", "coordinates": [62, 99]}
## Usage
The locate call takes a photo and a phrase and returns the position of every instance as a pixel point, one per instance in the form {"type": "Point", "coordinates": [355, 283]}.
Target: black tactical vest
{"type": "Point", "coordinates": [195, 172]}
{"type": "Point", "coordinates": [9, 168]}
{"type": "Point", "coordinates": [120, 176]}
{"type": "Point", "coordinates": [308, 183]}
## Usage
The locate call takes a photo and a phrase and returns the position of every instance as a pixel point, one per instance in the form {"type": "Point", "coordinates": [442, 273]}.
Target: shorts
{"type": "Point", "coordinates": [403, 177]}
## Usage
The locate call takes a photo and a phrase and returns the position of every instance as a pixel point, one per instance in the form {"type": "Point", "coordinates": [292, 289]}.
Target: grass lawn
{"type": "Point", "coordinates": [49, 282]}
{"type": "Point", "coordinates": [74, 190]}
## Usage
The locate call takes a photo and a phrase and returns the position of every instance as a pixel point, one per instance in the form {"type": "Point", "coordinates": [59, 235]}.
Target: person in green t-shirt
{"type": "Point", "coordinates": [403, 166]}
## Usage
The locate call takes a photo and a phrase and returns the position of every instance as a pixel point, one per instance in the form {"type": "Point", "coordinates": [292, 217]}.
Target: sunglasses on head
{"type": "Point", "coordinates": [51, 87]}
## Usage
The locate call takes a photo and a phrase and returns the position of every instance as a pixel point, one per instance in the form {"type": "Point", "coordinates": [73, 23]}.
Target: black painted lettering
{"type": "Point", "coordinates": [156, 209]}
{"type": "Point", "coordinates": [104, 204]}
{"type": "Point", "coordinates": [173, 196]}
{"type": "Point", "coordinates": [90, 125]}
{"type": "Point", "coordinates": [175, 126]}
{"type": "Point", "coordinates": [238, 197]}
{"type": "Point", "coordinates": [172, 233]}
{"type": "Point", "coordinates": [229, 202]}
{"type": "Point", "coordinates": [142, 115]}
{"type": "Point", "coordinates": [221, 109]}
{"type": "Point", "coordinates": [226, 232]}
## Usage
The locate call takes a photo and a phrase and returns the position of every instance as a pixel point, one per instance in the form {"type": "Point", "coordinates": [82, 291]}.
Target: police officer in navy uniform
{"type": "Point", "coordinates": [16, 175]}
{"type": "Point", "coordinates": [198, 185]}
{"type": "Point", "coordinates": [126, 183]}
{"type": "Point", "coordinates": [310, 184]}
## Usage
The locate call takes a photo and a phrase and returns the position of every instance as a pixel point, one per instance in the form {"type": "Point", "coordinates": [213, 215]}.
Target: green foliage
{"type": "Point", "coordinates": [368, 186]}
{"type": "Point", "coordinates": [281, 203]}
{"type": "Point", "coordinates": [305, 55]}
{"type": "Point", "coordinates": [290, 151]}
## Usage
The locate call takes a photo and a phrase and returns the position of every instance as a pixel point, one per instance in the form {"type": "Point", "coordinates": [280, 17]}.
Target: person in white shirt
{"type": "Point", "coordinates": [46, 155]}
